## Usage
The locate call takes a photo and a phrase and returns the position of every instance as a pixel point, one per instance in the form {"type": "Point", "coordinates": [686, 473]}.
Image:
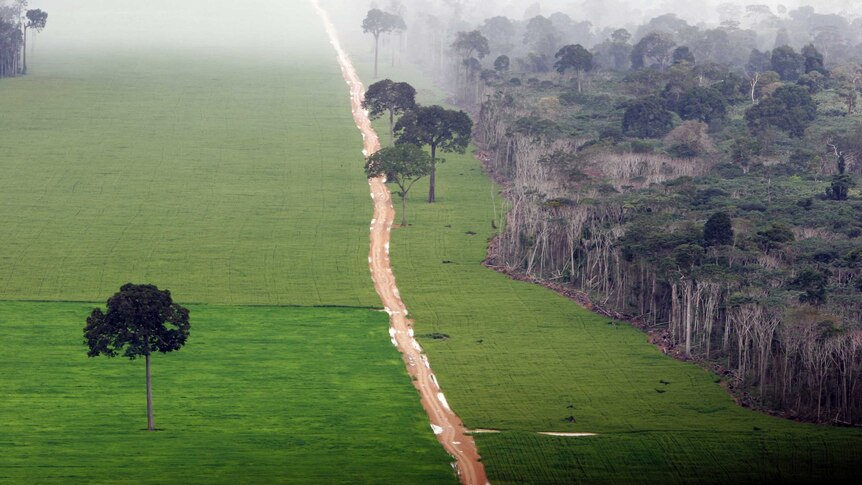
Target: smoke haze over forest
{"type": "Point", "coordinates": [261, 25]}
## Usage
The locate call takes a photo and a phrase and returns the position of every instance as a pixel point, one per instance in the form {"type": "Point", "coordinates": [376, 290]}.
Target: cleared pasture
{"type": "Point", "coordinates": [259, 395]}
{"type": "Point", "coordinates": [236, 182]}
{"type": "Point", "coordinates": [230, 181]}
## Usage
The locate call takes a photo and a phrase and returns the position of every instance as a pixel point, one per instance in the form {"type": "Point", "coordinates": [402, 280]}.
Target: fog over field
{"type": "Point", "coordinates": [258, 26]}
{"type": "Point", "coordinates": [253, 26]}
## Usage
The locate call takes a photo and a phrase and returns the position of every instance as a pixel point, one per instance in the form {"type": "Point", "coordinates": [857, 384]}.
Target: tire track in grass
{"type": "Point", "coordinates": [447, 426]}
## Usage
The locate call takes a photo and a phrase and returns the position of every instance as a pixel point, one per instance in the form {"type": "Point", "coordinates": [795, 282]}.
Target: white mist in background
{"type": "Point", "coordinates": [120, 25]}
{"type": "Point", "coordinates": [255, 27]}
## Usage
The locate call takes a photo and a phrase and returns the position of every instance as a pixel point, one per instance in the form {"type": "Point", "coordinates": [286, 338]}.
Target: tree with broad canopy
{"type": "Point", "coordinates": [378, 22]}
{"type": "Point", "coordinates": [389, 97]}
{"type": "Point", "coordinates": [135, 325]}
{"type": "Point", "coordinates": [438, 128]}
{"type": "Point", "coordinates": [403, 165]}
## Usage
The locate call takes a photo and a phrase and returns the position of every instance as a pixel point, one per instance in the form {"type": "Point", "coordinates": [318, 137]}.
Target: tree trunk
{"type": "Point", "coordinates": [754, 82]}
{"type": "Point", "coordinates": [688, 301]}
{"type": "Point", "coordinates": [403, 209]}
{"type": "Point", "coordinates": [376, 52]}
{"type": "Point", "coordinates": [391, 127]}
{"type": "Point", "coordinates": [24, 70]}
{"type": "Point", "coordinates": [150, 422]}
{"type": "Point", "coordinates": [431, 190]}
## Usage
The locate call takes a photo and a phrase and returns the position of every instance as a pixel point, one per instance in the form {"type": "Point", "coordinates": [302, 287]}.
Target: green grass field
{"type": "Point", "coordinates": [234, 182]}
{"type": "Point", "coordinates": [259, 395]}
{"type": "Point", "coordinates": [522, 359]}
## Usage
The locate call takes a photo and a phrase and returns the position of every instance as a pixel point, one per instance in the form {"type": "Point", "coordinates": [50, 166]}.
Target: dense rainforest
{"type": "Point", "coordinates": [700, 181]}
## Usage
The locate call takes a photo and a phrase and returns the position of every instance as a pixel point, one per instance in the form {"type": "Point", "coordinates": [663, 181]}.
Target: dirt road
{"type": "Point", "coordinates": [447, 426]}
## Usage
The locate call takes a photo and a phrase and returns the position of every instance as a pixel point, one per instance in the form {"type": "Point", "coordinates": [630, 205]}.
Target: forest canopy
{"type": "Point", "coordinates": [698, 178]}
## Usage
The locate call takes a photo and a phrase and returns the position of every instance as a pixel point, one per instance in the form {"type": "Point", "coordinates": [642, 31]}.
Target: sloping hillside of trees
{"type": "Point", "coordinates": [701, 181]}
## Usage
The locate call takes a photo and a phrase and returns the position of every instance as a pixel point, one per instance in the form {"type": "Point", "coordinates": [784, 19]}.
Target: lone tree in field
{"type": "Point", "coordinates": [137, 324]}
{"type": "Point", "coordinates": [390, 97]}
{"type": "Point", "coordinates": [36, 20]}
{"type": "Point", "coordinates": [438, 128]}
{"type": "Point", "coordinates": [402, 165]}
{"type": "Point", "coordinates": [576, 58]}
{"type": "Point", "coordinates": [378, 22]}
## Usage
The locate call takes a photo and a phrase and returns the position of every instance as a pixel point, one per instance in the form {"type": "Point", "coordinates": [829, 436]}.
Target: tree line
{"type": "Point", "coordinates": [405, 162]}
{"type": "Point", "coordinates": [16, 23]}
{"type": "Point", "coordinates": [699, 181]}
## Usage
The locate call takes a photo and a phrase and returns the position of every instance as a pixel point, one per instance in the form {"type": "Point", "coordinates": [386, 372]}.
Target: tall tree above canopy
{"type": "Point", "coordinates": [657, 46]}
{"type": "Point", "coordinates": [619, 50]}
{"type": "Point", "coordinates": [378, 22]}
{"type": "Point", "coordinates": [135, 325]}
{"type": "Point", "coordinates": [36, 20]}
{"type": "Point", "coordinates": [541, 36]}
{"type": "Point", "coordinates": [500, 32]}
{"type": "Point", "coordinates": [471, 44]}
{"type": "Point", "coordinates": [576, 58]}
{"type": "Point", "coordinates": [438, 128]}
{"type": "Point", "coordinates": [389, 97]}
{"type": "Point", "coordinates": [403, 165]}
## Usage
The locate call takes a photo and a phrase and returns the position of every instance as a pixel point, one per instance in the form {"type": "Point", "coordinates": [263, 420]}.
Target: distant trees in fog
{"type": "Point", "coordinates": [15, 22]}
{"type": "Point", "coordinates": [378, 22]}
